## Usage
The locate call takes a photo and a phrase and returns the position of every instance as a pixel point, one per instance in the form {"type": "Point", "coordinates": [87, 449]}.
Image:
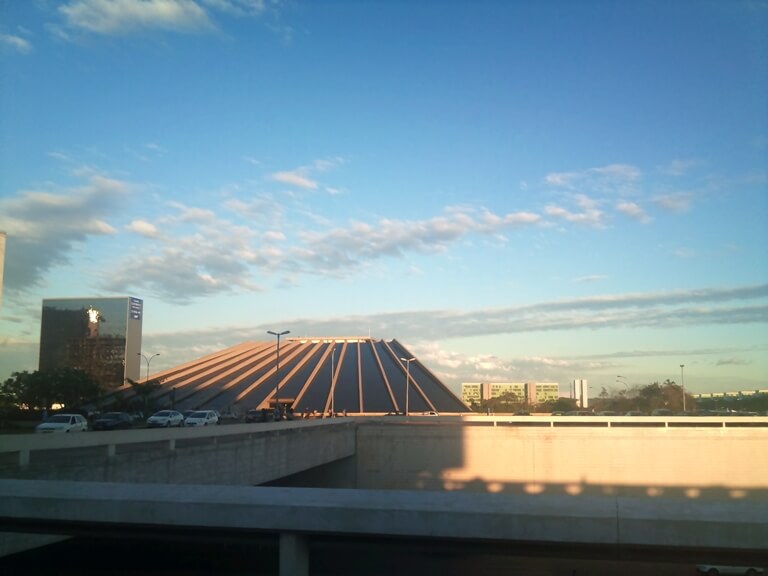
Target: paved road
{"type": "Point", "coordinates": [329, 557]}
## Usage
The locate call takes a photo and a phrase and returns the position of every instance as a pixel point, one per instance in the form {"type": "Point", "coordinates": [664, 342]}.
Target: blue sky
{"type": "Point", "coordinates": [517, 191]}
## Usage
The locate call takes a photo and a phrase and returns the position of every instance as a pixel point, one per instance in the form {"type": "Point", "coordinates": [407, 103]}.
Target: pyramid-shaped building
{"type": "Point", "coordinates": [322, 375]}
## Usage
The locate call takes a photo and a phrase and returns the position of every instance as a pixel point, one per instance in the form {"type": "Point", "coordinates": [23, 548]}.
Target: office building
{"type": "Point", "coordinates": [100, 336]}
{"type": "Point", "coordinates": [517, 392]}
{"type": "Point", "coordinates": [540, 392]}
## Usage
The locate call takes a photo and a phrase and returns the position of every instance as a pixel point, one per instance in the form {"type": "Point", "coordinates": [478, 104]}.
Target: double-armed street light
{"type": "Point", "coordinates": [148, 360]}
{"type": "Point", "coordinates": [407, 379]}
{"type": "Point", "coordinates": [277, 366]}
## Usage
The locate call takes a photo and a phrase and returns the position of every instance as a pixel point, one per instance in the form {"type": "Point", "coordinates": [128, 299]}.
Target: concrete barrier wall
{"type": "Point", "coordinates": [719, 463]}
{"type": "Point", "coordinates": [232, 454]}
{"type": "Point", "coordinates": [112, 508]}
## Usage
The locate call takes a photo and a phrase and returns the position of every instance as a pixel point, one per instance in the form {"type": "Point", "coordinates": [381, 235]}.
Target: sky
{"type": "Point", "coordinates": [516, 191]}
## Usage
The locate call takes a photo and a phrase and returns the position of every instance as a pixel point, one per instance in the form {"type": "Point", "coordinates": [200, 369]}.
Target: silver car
{"type": "Point", "coordinates": [202, 418]}
{"type": "Point", "coordinates": [165, 419]}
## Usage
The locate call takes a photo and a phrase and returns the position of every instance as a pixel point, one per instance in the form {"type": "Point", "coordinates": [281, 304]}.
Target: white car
{"type": "Point", "coordinates": [716, 570]}
{"type": "Point", "coordinates": [165, 419]}
{"type": "Point", "coordinates": [202, 418]}
{"type": "Point", "coordinates": [63, 423]}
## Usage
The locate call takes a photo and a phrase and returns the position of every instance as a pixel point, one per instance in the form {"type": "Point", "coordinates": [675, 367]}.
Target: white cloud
{"type": "Point", "coordinates": [215, 258]}
{"type": "Point", "coordinates": [605, 178]}
{"type": "Point", "coordinates": [110, 17]}
{"type": "Point", "coordinates": [618, 171]}
{"type": "Point", "coordinates": [262, 209]}
{"type": "Point", "coordinates": [15, 43]}
{"type": "Point", "coordinates": [238, 7]}
{"type": "Point", "coordinates": [589, 279]}
{"type": "Point", "coordinates": [294, 179]}
{"type": "Point", "coordinates": [680, 202]}
{"type": "Point", "coordinates": [633, 210]}
{"type": "Point", "coordinates": [589, 215]}
{"type": "Point", "coordinates": [44, 228]}
{"type": "Point", "coordinates": [301, 177]}
{"type": "Point", "coordinates": [340, 250]}
{"type": "Point", "coordinates": [747, 304]}
{"type": "Point", "coordinates": [561, 178]}
{"type": "Point", "coordinates": [143, 228]}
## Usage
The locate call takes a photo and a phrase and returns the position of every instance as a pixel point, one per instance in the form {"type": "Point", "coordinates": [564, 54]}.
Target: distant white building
{"type": "Point", "coordinates": [532, 392]}
{"type": "Point", "coordinates": [580, 392]}
{"type": "Point", "coordinates": [540, 392]}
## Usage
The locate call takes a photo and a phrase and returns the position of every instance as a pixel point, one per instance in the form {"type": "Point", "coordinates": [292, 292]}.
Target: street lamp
{"type": "Point", "coordinates": [277, 367]}
{"type": "Point", "coordinates": [682, 383]}
{"type": "Point", "coordinates": [148, 359]}
{"type": "Point", "coordinates": [407, 379]}
{"type": "Point", "coordinates": [333, 384]}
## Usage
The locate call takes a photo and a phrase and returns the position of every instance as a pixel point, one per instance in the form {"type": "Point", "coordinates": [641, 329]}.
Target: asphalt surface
{"type": "Point", "coordinates": [328, 557]}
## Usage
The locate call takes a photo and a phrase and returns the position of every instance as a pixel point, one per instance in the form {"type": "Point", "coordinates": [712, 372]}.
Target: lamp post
{"type": "Point", "coordinates": [407, 379]}
{"type": "Point", "coordinates": [277, 367]}
{"type": "Point", "coordinates": [333, 384]}
{"type": "Point", "coordinates": [682, 383]}
{"type": "Point", "coordinates": [148, 360]}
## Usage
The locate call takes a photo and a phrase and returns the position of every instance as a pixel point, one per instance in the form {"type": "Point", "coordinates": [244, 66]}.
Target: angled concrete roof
{"type": "Point", "coordinates": [369, 378]}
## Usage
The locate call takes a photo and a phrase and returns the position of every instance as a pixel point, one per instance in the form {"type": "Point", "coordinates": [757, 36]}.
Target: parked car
{"type": "Point", "coordinates": [263, 415]}
{"type": "Point", "coordinates": [662, 412]}
{"type": "Point", "coordinates": [63, 423]}
{"type": "Point", "coordinates": [165, 419]}
{"type": "Point", "coordinates": [112, 421]}
{"type": "Point", "coordinates": [716, 569]}
{"type": "Point", "coordinates": [635, 413]}
{"type": "Point", "coordinates": [201, 418]}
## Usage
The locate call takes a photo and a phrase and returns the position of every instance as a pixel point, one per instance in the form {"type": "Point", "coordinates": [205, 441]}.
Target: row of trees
{"type": "Point", "coordinates": [43, 389]}
{"type": "Point", "coordinates": [667, 394]}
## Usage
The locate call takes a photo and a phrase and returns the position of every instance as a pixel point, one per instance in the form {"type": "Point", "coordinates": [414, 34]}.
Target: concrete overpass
{"type": "Point", "coordinates": [615, 483]}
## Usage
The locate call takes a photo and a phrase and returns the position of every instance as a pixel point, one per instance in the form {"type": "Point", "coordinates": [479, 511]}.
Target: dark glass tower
{"type": "Point", "coordinates": [101, 336]}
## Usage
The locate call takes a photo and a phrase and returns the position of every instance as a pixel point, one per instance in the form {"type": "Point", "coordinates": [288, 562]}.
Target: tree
{"type": "Point", "coordinates": [43, 389]}
{"type": "Point", "coordinates": [143, 392]}
{"type": "Point", "coordinates": [559, 405]}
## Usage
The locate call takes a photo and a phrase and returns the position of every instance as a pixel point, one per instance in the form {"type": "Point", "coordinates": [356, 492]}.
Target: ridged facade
{"type": "Point", "coordinates": [352, 375]}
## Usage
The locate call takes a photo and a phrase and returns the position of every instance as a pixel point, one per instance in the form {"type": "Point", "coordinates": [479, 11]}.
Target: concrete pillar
{"type": "Point", "coordinates": [294, 554]}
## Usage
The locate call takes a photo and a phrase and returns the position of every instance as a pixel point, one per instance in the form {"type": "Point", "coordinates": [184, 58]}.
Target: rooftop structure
{"type": "Point", "coordinates": [324, 375]}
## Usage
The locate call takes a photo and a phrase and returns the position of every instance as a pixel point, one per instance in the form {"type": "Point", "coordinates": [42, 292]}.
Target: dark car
{"type": "Point", "coordinates": [112, 421]}
{"type": "Point", "coordinates": [263, 415]}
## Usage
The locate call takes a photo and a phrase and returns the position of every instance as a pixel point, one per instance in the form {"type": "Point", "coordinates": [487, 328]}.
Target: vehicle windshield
{"type": "Point", "coordinates": [163, 414]}
{"type": "Point", "coordinates": [199, 415]}
{"type": "Point", "coordinates": [59, 418]}
{"type": "Point", "coordinates": [112, 416]}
